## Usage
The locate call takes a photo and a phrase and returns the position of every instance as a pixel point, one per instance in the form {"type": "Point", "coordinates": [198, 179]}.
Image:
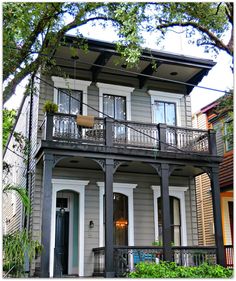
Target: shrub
{"type": "Point", "coordinates": [171, 270]}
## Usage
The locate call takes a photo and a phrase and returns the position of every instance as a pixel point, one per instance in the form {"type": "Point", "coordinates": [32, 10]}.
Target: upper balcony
{"type": "Point", "coordinates": [106, 132]}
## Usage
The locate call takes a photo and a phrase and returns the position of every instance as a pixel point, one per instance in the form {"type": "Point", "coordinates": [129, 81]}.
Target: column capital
{"type": "Point", "coordinates": [48, 157]}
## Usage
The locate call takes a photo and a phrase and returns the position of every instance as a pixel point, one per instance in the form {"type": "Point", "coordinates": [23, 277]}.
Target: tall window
{"type": "Point", "coordinates": [165, 112]}
{"type": "Point", "coordinates": [120, 219]}
{"type": "Point", "coordinates": [69, 101]}
{"type": "Point", "coordinates": [228, 135]}
{"type": "Point", "coordinates": [175, 221]}
{"type": "Point", "coordinates": [114, 106]}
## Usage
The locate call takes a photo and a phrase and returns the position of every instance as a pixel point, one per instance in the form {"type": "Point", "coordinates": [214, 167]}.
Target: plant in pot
{"type": "Point", "coordinates": [50, 107]}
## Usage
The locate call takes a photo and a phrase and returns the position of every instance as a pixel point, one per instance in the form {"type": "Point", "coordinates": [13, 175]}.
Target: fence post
{"type": "Point", "coordinates": [162, 136]}
{"type": "Point", "coordinates": [48, 126]}
{"type": "Point", "coordinates": [108, 131]}
{"type": "Point", "coordinates": [212, 142]}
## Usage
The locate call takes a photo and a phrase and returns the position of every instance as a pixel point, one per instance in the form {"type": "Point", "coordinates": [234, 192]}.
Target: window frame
{"type": "Point", "coordinates": [227, 145]}
{"type": "Point", "coordinates": [165, 102]}
{"type": "Point", "coordinates": [72, 84]}
{"type": "Point", "coordinates": [115, 90]}
{"type": "Point", "coordinates": [167, 97]}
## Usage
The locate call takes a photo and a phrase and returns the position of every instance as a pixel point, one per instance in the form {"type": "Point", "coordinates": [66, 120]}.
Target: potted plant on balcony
{"type": "Point", "coordinates": [50, 107]}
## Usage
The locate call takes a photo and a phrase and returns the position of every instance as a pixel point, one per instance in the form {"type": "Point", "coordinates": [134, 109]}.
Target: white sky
{"type": "Point", "coordinates": [220, 77]}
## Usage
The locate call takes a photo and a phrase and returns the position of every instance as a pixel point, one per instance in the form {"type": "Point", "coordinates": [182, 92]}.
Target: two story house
{"type": "Point", "coordinates": [214, 116]}
{"type": "Point", "coordinates": [111, 175]}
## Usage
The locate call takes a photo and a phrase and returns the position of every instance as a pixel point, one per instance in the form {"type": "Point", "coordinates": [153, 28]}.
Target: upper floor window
{"type": "Point", "coordinates": [69, 101]}
{"type": "Point", "coordinates": [165, 112]}
{"type": "Point", "coordinates": [228, 135]}
{"type": "Point", "coordinates": [114, 106]}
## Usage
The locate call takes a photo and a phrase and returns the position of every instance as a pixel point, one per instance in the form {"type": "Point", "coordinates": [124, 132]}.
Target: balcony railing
{"type": "Point", "coordinates": [229, 256]}
{"type": "Point", "coordinates": [63, 128]}
{"type": "Point", "coordinates": [127, 257]}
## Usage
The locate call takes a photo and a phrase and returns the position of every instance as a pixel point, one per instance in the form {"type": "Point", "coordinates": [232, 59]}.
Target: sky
{"type": "Point", "coordinates": [220, 77]}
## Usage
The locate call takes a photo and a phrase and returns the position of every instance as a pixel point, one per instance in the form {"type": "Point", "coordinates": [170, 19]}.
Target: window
{"type": "Point", "coordinates": [228, 135]}
{"type": "Point", "coordinates": [165, 112]}
{"type": "Point", "coordinates": [114, 106]}
{"type": "Point", "coordinates": [69, 101]}
{"type": "Point", "coordinates": [174, 220]}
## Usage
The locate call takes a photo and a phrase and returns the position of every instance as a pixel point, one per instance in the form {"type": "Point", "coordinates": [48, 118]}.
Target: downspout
{"type": "Point", "coordinates": [28, 174]}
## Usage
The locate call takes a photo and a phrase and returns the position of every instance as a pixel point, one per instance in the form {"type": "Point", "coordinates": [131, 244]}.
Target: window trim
{"type": "Point", "coordinates": [178, 192]}
{"type": "Point", "coordinates": [167, 97]}
{"type": "Point", "coordinates": [73, 84]}
{"type": "Point", "coordinates": [226, 142]}
{"type": "Point", "coordinates": [115, 90]}
{"type": "Point", "coordinates": [123, 188]}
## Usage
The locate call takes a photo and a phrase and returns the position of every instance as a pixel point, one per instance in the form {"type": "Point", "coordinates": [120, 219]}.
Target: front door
{"type": "Point", "coordinates": [61, 243]}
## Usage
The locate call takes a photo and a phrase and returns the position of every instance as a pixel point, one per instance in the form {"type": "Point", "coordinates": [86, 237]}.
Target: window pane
{"type": "Point", "coordinates": [228, 135]}
{"type": "Point", "coordinates": [63, 102]}
{"type": "Point", "coordinates": [159, 112]}
{"type": "Point", "coordinates": [75, 106]}
{"type": "Point", "coordinates": [170, 114]}
{"type": "Point", "coordinates": [120, 108]}
{"type": "Point", "coordinates": [108, 105]}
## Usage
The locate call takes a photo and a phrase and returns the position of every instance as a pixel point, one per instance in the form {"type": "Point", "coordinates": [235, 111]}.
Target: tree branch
{"type": "Point", "coordinates": [202, 29]}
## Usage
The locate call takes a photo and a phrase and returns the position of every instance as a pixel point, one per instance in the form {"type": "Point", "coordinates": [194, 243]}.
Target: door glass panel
{"type": "Point", "coordinates": [63, 102]}
{"type": "Point", "coordinates": [120, 219]}
{"type": "Point", "coordinates": [174, 220]}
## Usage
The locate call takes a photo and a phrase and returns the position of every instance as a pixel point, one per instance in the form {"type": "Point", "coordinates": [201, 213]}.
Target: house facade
{"type": "Point", "coordinates": [118, 187]}
{"type": "Point", "coordinates": [212, 116]}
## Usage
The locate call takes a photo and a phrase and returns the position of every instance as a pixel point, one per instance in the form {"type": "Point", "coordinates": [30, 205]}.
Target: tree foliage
{"type": "Point", "coordinates": [30, 29]}
{"type": "Point", "coordinates": [8, 122]}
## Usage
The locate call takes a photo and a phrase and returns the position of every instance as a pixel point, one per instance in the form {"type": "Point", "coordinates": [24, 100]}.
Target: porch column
{"type": "Point", "coordinates": [48, 163]}
{"type": "Point", "coordinates": [215, 187]}
{"type": "Point", "coordinates": [165, 203]}
{"type": "Point", "coordinates": [109, 248]}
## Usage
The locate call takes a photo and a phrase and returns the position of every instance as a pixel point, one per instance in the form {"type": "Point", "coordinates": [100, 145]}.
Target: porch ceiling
{"type": "Point", "coordinates": [169, 66]}
{"type": "Point", "coordinates": [127, 167]}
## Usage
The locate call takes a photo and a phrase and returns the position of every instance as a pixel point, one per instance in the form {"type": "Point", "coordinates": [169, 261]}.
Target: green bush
{"type": "Point", "coordinates": [171, 270]}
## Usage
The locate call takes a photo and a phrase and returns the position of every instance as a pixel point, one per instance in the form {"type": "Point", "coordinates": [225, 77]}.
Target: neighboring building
{"type": "Point", "coordinates": [210, 117]}
{"type": "Point", "coordinates": [126, 163]}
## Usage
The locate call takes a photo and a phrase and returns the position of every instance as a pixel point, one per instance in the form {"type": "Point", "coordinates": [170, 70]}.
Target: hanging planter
{"type": "Point", "coordinates": [85, 121]}
{"type": "Point", "coordinates": [50, 107]}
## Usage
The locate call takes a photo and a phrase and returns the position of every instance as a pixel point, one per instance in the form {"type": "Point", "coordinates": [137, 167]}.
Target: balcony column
{"type": "Point", "coordinates": [48, 164]}
{"type": "Point", "coordinates": [215, 188]}
{"type": "Point", "coordinates": [162, 128]}
{"type": "Point", "coordinates": [165, 202]}
{"type": "Point", "coordinates": [109, 247]}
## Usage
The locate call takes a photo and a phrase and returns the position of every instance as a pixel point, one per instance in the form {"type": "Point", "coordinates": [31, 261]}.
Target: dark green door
{"type": "Point", "coordinates": [62, 242]}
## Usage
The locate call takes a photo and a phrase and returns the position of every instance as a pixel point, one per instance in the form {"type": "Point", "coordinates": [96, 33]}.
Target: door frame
{"type": "Point", "coordinates": [178, 192]}
{"type": "Point", "coordinates": [69, 209]}
{"type": "Point", "coordinates": [125, 189]}
{"type": "Point", "coordinates": [77, 186]}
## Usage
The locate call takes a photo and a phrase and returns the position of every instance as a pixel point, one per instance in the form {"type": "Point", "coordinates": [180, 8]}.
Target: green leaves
{"type": "Point", "coordinates": [171, 270]}
{"type": "Point", "coordinates": [8, 122]}
{"type": "Point", "coordinates": [15, 247]}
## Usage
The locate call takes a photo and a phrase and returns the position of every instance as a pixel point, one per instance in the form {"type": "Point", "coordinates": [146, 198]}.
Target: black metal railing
{"type": "Point", "coordinates": [229, 256]}
{"type": "Point", "coordinates": [63, 127]}
{"type": "Point", "coordinates": [127, 257]}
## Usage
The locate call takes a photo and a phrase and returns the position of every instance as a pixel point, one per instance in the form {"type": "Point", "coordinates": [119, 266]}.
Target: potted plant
{"type": "Point", "coordinates": [50, 107]}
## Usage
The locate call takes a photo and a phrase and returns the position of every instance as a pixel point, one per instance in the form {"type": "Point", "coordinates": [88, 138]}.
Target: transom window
{"type": "Point", "coordinates": [114, 106]}
{"type": "Point", "coordinates": [69, 101]}
{"type": "Point", "coordinates": [165, 112]}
